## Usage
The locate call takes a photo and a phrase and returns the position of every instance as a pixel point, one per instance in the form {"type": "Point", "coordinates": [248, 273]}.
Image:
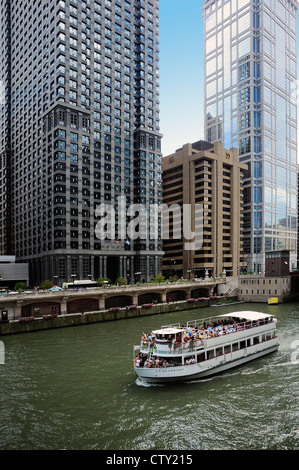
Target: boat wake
{"type": "Point", "coordinates": [282, 364]}
{"type": "Point", "coordinates": [142, 383]}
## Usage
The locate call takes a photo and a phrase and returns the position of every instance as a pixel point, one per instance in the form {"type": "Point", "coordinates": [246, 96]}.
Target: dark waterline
{"type": "Point", "coordinates": [75, 388]}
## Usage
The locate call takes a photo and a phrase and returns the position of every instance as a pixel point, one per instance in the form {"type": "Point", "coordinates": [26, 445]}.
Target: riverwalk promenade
{"type": "Point", "coordinates": [34, 311]}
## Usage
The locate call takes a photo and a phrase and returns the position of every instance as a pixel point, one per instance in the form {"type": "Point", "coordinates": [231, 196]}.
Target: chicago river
{"type": "Point", "coordinates": [75, 388]}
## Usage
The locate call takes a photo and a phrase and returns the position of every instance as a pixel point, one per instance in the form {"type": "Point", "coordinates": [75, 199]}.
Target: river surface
{"type": "Point", "coordinates": [75, 389]}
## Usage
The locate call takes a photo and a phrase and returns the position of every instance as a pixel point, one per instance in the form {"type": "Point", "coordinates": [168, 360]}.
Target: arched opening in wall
{"type": "Point", "coordinates": [176, 295]}
{"type": "Point", "coordinates": [40, 309]}
{"type": "Point", "coordinates": [149, 298]}
{"type": "Point", "coordinates": [118, 301]}
{"type": "Point", "coordinates": [83, 305]}
{"type": "Point", "coordinates": [200, 292]}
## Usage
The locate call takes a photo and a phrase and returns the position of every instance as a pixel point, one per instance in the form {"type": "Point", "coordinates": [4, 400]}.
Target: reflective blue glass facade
{"type": "Point", "coordinates": [251, 104]}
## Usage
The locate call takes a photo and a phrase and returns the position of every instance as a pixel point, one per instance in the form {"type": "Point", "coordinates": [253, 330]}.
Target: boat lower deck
{"type": "Point", "coordinates": [201, 370]}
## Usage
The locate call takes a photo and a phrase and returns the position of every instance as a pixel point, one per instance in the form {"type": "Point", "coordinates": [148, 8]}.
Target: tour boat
{"type": "Point", "coordinates": [204, 347]}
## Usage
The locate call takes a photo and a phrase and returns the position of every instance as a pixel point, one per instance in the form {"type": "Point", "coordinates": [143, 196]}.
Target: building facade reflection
{"type": "Point", "coordinates": [251, 104]}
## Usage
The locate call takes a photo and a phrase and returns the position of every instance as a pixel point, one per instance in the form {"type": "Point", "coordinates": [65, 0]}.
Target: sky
{"type": "Point", "coordinates": [181, 73]}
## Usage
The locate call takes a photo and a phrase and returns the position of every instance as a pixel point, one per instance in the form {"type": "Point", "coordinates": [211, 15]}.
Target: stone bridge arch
{"type": "Point", "coordinates": [201, 292]}
{"type": "Point", "coordinates": [118, 301]}
{"type": "Point", "coordinates": [149, 297]}
{"type": "Point", "coordinates": [38, 309]}
{"type": "Point", "coordinates": [83, 305]}
{"type": "Point", "coordinates": [175, 295]}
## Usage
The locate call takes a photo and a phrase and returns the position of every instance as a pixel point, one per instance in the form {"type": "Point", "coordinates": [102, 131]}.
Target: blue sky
{"type": "Point", "coordinates": [181, 73]}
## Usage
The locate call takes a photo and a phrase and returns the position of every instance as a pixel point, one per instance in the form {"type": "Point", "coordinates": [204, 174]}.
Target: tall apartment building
{"type": "Point", "coordinates": [251, 105]}
{"type": "Point", "coordinates": [211, 178]}
{"type": "Point", "coordinates": [5, 124]}
{"type": "Point", "coordinates": [79, 128]}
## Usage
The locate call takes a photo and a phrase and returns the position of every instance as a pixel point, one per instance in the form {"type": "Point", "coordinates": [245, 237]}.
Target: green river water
{"type": "Point", "coordinates": [75, 388]}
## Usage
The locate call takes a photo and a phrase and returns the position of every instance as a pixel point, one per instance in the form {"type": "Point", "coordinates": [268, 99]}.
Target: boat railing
{"type": "Point", "coordinates": [197, 344]}
{"type": "Point", "coordinates": [210, 320]}
{"type": "Point", "coordinates": [246, 324]}
{"type": "Point", "coordinates": [173, 348]}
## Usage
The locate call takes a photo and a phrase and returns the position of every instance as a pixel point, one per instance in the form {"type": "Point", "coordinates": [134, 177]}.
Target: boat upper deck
{"type": "Point", "coordinates": [236, 317]}
{"type": "Point", "coordinates": [198, 334]}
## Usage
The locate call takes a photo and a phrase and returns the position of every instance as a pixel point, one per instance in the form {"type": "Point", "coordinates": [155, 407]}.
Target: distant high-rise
{"type": "Point", "coordinates": [79, 127]}
{"type": "Point", "coordinates": [208, 176]}
{"type": "Point", "coordinates": [251, 104]}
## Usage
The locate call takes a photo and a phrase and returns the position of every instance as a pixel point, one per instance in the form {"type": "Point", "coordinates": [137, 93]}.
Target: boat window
{"type": "Point", "coordinates": [227, 349]}
{"type": "Point", "coordinates": [248, 341]}
{"type": "Point", "coordinates": [256, 340]}
{"type": "Point", "coordinates": [201, 357]}
{"type": "Point", "coordinates": [235, 346]}
{"type": "Point", "coordinates": [242, 344]}
{"type": "Point", "coordinates": [176, 361]}
{"type": "Point", "coordinates": [211, 354]}
{"type": "Point", "coordinates": [219, 351]}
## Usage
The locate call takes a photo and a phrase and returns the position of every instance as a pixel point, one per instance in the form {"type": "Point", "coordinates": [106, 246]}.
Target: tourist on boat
{"type": "Point", "coordinates": [158, 362]}
{"type": "Point", "coordinates": [137, 361]}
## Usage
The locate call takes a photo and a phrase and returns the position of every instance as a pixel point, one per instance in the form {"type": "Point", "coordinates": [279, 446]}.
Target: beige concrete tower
{"type": "Point", "coordinates": [210, 176]}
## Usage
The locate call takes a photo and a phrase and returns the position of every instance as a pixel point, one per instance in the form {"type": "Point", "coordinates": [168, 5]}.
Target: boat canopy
{"type": "Point", "coordinates": [169, 331]}
{"type": "Point", "coordinates": [250, 316]}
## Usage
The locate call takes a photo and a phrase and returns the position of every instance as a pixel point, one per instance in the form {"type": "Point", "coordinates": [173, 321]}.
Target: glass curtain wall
{"type": "Point", "coordinates": [251, 104]}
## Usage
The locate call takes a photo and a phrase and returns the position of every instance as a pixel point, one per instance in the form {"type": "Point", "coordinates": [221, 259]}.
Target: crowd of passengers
{"type": "Point", "coordinates": [144, 361]}
{"type": "Point", "coordinates": [193, 334]}
{"type": "Point", "coordinates": [205, 331]}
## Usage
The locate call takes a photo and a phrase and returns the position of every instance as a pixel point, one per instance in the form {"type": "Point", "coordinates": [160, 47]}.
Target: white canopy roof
{"type": "Point", "coordinates": [248, 315]}
{"type": "Point", "coordinates": [168, 331]}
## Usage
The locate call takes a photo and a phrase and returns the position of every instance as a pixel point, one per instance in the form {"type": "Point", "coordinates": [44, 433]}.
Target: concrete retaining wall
{"type": "Point", "coordinates": [61, 321]}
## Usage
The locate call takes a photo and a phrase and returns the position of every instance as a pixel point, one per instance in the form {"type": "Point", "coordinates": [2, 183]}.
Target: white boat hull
{"type": "Point", "coordinates": [208, 368]}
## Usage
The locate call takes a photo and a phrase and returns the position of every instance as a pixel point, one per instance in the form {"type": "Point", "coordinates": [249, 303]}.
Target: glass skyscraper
{"type": "Point", "coordinates": [251, 104]}
{"type": "Point", "coordinates": [79, 128]}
